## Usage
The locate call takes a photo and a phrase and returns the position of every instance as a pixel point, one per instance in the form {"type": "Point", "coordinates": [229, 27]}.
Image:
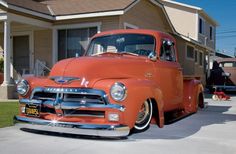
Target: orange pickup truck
{"type": "Point", "coordinates": [125, 80]}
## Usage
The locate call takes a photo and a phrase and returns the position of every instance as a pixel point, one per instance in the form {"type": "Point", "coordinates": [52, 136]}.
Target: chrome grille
{"type": "Point", "coordinates": [83, 98]}
{"type": "Point", "coordinates": [45, 109]}
{"type": "Point", "coordinates": [84, 113]}
{"type": "Point", "coordinates": [44, 96]}
{"type": "Point", "coordinates": [71, 101]}
{"type": "Point", "coordinates": [70, 95]}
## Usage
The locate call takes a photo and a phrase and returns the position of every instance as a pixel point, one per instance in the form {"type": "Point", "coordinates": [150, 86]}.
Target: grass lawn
{"type": "Point", "coordinates": [7, 111]}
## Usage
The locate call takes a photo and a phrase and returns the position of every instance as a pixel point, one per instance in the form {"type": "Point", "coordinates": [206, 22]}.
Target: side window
{"type": "Point", "coordinates": [190, 52]}
{"type": "Point", "coordinates": [201, 59]}
{"type": "Point", "coordinates": [201, 26]}
{"type": "Point", "coordinates": [168, 51]}
{"type": "Point", "coordinates": [196, 56]}
{"type": "Point", "coordinates": [228, 64]}
{"type": "Point", "coordinates": [211, 33]}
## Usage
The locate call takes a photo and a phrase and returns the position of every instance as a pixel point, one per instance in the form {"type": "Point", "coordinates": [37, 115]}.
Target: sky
{"type": "Point", "coordinates": [224, 12]}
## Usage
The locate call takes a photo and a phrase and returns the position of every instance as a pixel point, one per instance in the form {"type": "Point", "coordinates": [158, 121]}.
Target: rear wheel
{"type": "Point", "coordinates": [144, 116]}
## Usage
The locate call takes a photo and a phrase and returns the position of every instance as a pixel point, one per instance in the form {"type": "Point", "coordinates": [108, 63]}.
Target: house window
{"type": "Point", "coordinates": [73, 42]}
{"type": "Point", "coordinates": [211, 33]}
{"type": "Point", "coordinates": [196, 56]}
{"type": "Point", "coordinates": [190, 52]}
{"type": "Point", "coordinates": [201, 58]}
{"type": "Point", "coordinates": [201, 26]}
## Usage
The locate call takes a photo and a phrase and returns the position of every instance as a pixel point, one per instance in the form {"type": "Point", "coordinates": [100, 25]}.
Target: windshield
{"type": "Point", "coordinates": [134, 44]}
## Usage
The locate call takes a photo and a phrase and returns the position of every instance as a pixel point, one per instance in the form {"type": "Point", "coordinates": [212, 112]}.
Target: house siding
{"type": "Point", "coordinates": [43, 46]}
{"type": "Point", "coordinates": [108, 23]}
{"type": "Point", "coordinates": [190, 68]}
{"type": "Point", "coordinates": [187, 64]}
{"type": "Point", "coordinates": [201, 70]}
{"type": "Point", "coordinates": [145, 15]}
{"type": "Point", "coordinates": [183, 19]}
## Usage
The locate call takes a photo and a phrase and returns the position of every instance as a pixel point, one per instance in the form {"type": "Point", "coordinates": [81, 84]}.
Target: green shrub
{"type": "Point", "coordinates": [1, 65]}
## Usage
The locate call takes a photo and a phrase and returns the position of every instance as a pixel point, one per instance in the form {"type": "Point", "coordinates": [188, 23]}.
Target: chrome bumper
{"type": "Point", "coordinates": [72, 128]}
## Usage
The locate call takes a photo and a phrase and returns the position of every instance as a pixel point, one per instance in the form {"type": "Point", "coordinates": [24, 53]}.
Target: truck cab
{"type": "Point", "coordinates": [125, 80]}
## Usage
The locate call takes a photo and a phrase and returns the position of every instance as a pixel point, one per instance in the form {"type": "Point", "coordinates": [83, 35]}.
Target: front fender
{"type": "Point", "coordinates": [33, 83]}
{"type": "Point", "coordinates": [137, 92]}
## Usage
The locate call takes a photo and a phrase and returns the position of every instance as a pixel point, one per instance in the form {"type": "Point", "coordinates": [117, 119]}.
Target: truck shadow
{"type": "Point", "coordinates": [189, 125]}
{"type": "Point", "coordinates": [180, 129]}
{"type": "Point", "coordinates": [72, 136]}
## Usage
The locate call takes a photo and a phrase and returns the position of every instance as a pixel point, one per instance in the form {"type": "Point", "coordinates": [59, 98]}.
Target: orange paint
{"type": "Point", "coordinates": [144, 79]}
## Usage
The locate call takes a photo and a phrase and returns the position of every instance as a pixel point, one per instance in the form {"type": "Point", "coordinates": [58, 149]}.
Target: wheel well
{"type": "Point", "coordinates": [155, 113]}
{"type": "Point", "coordinates": [201, 100]}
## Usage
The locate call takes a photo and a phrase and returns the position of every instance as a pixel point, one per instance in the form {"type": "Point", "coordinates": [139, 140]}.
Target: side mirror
{"type": "Point", "coordinates": [152, 56]}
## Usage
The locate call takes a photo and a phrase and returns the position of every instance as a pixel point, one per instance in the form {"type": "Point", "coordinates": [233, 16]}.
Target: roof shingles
{"type": "Point", "coordinates": [30, 5]}
{"type": "Point", "coordinates": [67, 7]}
{"type": "Point", "coordinates": [71, 7]}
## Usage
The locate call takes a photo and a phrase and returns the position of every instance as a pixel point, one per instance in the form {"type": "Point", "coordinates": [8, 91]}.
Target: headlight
{"type": "Point", "coordinates": [118, 91]}
{"type": "Point", "coordinates": [22, 87]}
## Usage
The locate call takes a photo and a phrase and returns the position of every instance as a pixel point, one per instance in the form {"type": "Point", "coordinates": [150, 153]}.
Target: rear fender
{"type": "Point", "coordinates": [192, 90]}
{"type": "Point", "coordinates": [138, 91]}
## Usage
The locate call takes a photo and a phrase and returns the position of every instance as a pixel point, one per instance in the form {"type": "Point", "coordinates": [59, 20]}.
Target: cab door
{"type": "Point", "coordinates": [169, 76]}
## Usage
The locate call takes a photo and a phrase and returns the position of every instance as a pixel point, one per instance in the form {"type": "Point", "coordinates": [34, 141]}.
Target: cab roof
{"type": "Point", "coordinates": [154, 33]}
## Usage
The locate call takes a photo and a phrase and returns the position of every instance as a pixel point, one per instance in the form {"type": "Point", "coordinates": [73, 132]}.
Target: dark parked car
{"type": "Point", "coordinates": [229, 66]}
{"type": "Point", "coordinates": [223, 74]}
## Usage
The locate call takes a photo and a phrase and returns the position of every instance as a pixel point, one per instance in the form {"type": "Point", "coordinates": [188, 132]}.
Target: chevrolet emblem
{"type": "Point", "coordinates": [64, 80]}
{"type": "Point", "coordinates": [148, 75]}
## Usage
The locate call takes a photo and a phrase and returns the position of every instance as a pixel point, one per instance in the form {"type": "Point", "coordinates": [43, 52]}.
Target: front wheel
{"type": "Point", "coordinates": [144, 116]}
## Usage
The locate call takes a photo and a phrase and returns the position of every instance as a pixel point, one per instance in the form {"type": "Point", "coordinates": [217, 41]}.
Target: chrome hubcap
{"type": "Point", "coordinates": [143, 113]}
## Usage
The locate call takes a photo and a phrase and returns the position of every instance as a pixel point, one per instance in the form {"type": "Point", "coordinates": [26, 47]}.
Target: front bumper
{"type": "Point", "coordinates": [72, 128]}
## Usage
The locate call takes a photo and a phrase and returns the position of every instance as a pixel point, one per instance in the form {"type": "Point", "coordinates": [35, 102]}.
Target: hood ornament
{"type": "Point", "coordinates": [64, 80]}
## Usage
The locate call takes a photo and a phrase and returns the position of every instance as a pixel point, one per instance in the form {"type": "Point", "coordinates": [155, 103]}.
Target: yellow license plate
{"type": "Point", "coordinates": [32, 110]}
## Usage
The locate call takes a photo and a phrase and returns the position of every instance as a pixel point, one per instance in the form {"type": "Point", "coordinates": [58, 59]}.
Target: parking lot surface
{"type": "Point", "coordinates": [210, 131]}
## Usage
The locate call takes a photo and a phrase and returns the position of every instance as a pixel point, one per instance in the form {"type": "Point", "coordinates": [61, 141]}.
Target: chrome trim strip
{"type": "Point", "coordinates": [73, 128]}
{"type": "Point", "coordinates": [29, 101]}
{"type": "Point", "coordinates": [73, 105]}
{"type": "Point", "coordinates": [83, 115]}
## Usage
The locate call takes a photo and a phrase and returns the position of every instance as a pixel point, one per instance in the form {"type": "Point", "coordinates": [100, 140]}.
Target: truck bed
{"type": "Point", "coordinates": [190, 77]}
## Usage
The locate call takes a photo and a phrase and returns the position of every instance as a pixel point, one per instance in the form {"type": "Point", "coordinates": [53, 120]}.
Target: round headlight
{"type": "Point", "coordinates": [22, 87]}
{"type": "Point", "coordinates": [118, 91]}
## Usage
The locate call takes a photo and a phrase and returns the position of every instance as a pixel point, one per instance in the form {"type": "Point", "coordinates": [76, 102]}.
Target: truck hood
{"type": "Point", "coordinates": [86, 71]}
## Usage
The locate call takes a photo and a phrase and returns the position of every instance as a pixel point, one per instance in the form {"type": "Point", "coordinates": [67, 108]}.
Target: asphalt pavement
{"type": "Point", "coordinates": [210, 131]}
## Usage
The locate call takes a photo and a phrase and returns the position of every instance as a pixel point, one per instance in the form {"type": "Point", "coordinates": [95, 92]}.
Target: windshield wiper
{"type": "Point", "coordinates": [120, 53]}
{"type": "Point", "coordinates": [108, 52]}
{"type": "Point", "coordinates": [128, 53]}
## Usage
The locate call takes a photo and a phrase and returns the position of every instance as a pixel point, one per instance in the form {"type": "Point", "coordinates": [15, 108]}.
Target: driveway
{"type": "Point", "coordinates": [211, 130]}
